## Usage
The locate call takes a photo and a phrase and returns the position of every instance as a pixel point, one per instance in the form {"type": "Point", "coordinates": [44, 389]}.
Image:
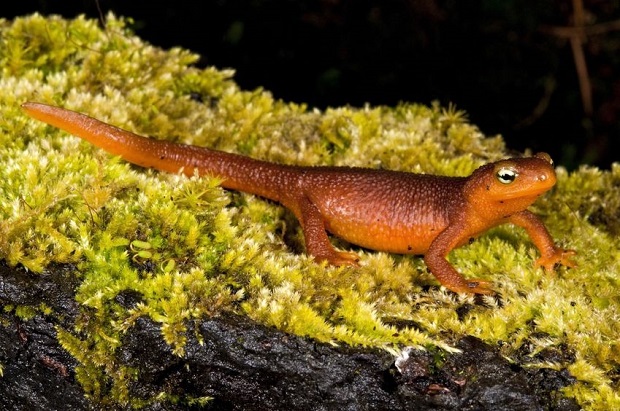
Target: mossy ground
{"type": "Point", "coordinates": [191, 249]}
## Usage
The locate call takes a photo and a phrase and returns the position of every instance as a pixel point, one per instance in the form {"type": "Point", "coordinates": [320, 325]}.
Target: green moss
{"type": "Point", "coordinates": [191, 249]}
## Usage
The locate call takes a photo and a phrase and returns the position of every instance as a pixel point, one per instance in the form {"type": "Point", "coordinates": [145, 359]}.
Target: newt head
{"type": "Point", "coordinates": [510, 185]}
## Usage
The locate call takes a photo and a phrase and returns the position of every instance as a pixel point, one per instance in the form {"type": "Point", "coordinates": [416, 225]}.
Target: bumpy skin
{"type": "Point", "coordinates": [377, 209]}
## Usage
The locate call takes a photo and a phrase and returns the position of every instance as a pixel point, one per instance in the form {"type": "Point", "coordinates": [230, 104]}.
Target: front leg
{"type": "Point", "coordinates": [315, 235]}
{"type": "Point", "coordinates": [550, 254]}
{"type": "Point", "coordinates": [446, 274]}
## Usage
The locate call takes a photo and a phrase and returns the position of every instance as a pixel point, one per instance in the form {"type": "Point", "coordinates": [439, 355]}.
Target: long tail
{"type": "Point", "coordinates": [237, 172]}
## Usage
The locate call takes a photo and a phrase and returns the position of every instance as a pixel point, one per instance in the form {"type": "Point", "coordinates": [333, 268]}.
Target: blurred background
{"type": "Point", "coordinates": [542, 73]}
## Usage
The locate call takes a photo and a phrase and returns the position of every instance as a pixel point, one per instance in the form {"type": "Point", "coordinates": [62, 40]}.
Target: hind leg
{"type": "Point", "coordinates": [316, 239]}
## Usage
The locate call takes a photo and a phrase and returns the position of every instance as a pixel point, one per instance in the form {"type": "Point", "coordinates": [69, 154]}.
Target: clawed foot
{"type": "Point", "coordinates": [557, 256]}
{"type": "Point", "coordinates": [472, 286]}
{"type": "Point", "coordinates": [339, 258]}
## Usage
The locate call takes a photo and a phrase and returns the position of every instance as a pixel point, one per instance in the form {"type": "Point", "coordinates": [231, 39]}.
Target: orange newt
{"type": "Point", "coordinates": [391, 211]}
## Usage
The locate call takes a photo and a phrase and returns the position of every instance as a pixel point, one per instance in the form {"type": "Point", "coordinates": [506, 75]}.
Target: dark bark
{"type": "Point", "coordinates": [247, 366]}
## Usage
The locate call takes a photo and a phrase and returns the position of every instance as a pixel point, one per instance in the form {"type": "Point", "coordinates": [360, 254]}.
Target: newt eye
{"type": "Point", "coordinates": [506, 175]}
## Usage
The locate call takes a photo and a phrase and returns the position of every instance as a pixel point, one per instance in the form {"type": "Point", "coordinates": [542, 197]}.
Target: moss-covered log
{"type": "Point", "coordinates": [161, 258]}
{"type": "Point", "coordinates": [233, 363]}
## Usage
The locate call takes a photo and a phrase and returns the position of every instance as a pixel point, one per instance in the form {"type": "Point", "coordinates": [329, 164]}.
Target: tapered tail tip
{"type": "Point", "coordinates": [30, 107]}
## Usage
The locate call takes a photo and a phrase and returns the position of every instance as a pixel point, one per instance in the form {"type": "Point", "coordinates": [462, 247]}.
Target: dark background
{"type": "Point", "coordinates": [504, 62]}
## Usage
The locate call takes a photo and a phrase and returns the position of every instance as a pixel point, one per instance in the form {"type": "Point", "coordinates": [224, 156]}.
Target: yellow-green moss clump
{"type": "Point", "coordinates": [192, 249]}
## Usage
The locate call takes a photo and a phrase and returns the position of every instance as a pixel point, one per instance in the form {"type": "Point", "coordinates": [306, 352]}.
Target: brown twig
{"type": "Point", "coordinates": [576, 43]}
{"type": "Point", "coordinates": [583, 32]}
{"type": "Point", "coordinates": [578, 34]}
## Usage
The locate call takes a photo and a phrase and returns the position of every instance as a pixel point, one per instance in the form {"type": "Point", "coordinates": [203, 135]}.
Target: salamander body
{"type": "Point", "coordinates": [382, 210]}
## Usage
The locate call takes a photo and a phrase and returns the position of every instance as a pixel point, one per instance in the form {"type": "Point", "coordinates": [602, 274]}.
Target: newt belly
{"type": "Point", "coordinates": [381, 210]}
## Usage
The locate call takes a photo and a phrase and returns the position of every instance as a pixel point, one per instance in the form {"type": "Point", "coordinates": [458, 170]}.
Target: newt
{"type": "Point", "coordinates": [392, 211]}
